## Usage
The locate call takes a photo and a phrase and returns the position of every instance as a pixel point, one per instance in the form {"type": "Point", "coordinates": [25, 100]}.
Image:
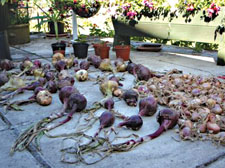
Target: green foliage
{"type": "Point", "coordinates": [95, 30]}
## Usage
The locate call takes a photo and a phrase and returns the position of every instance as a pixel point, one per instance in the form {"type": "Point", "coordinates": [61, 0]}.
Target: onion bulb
{"type": "Point", "coordinates": [81, 75]}
{"type": "Point", "coordinates": [44, 98]}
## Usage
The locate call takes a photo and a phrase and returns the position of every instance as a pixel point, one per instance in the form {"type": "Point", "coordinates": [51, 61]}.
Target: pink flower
{"type": "Point", "coordinates": [190, 8]}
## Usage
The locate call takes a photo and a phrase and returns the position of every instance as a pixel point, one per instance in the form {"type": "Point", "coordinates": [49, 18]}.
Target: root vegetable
{"type": "Point", "coordinates": [148, 106]}
{"type": "Point", "coordinates": [106, 65]}
{"type": "Point", "coordinates": [44, 98]}
{"type": "Point", "coordinates": [120, 65]}
{"type": "Point", "coordinates": [95, 61]}
{"type": "Point", "coordinates": [134, 122]}
{"type": "Point", "coordinates": [213, 127]}
{"type": "Point", "coordinates": [6, 65]}
{"type": "Point", "coordinates": [84, 65]}
{"type": "Point", "coordinates": [107, 87]}
{"type": "Point", "coordinates": [131, 67]}
{"type": "Point", "coordinates": [130, 97]}
{"type": "Point", "coordinates": [52, 86]}
{"type": "Point", "coordinates": [106, 120]}
{"type": "Point", "coordinates": [116, 79]}
{"type": "Point", "coordinates": [3, 78]}
{"type": "Point", "coordinates": [109, 103]}
{"type": "Point", "coordinates": [49, 75]}
{"type": "Point", "coordinates": [60, 65]}
{"type": "Point", "coordinates": [57, 57]}
{"type": "Point", "coordinates": [68, 81]}
{"type": "Point", "coordinates": [81, 75]}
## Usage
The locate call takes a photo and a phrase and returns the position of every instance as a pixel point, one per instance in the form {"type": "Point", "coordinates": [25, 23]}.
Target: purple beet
{"type": "Point", "coordinates": [84, 65]}
{"type": "Point", "coordinates": [52, 86]}
{"type": "Point", "coordinates": [134, 122]}
{"type": "Point", "coordinates": [49, 75]}
{"type": "Point", "coordinates": [147, 106]}
{"type": "Point", "coordinates": [142, 73]}
{"type": "Point", "coordinates": [131, 67]}
{"type": "Point", "coordinates": [60, 65]}
{"type": "Point", "coordinates": [95, 60]}
{"type": "Point", "coordinates": [68, 81]}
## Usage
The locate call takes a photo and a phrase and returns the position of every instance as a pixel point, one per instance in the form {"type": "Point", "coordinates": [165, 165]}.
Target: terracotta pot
{"type": "Point", "coordinates": [103, 51]}
{"type": "Point", "coordinates": [96, 46]}
{"type": "Point", "coordinates": [123, 51]}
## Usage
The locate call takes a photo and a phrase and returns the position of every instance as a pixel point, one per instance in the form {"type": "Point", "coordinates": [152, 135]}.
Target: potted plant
{"type": "Point", "coordinates": [80, 47]}
{"type": "Point", "coordinates": [4, 18]}
{"type": "Point", "coordinates": [85, 8]}
{"type": "Point", "coordinates": [18, 29]}
{"type": "Point", "coordinates": [122, 51]}
{"type": "Point", "coordinates": [57, 11]}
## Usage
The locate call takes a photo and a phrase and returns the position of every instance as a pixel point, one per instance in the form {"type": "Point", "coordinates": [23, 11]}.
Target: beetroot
{"type": "Point", "coordinates": [106, 120]}
{"type": "Point", "coordinates": [147, 106]}
{"type": "Point", "coordinates": [134, 122]}
{"type": "Point", "coordinates": [130, 97]}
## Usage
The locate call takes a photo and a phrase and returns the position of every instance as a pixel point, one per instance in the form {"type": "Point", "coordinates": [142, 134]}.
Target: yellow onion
{"type": "Point", "coordinates": [57, 57]}
{"type": "Point", "coordinates": [44, 98]}
{"type": "Point", "coordinates": [69, 62]}
{"type": "Point", "coordinates": [81, 75]}
{"type": "Point", "coordinates": [38, 72]}
{"type": "Point", "coordinates": [63, 74]}
{"type": "Point", "coordinates": [107, 87]}
{"type": "Point", "coordinates": [105, 65]}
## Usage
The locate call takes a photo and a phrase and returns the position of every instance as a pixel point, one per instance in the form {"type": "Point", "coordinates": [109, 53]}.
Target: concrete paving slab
{"type": "Point", "coordinates": [164, 151]}
{"type": "Point", "coordinates": [20, 160]}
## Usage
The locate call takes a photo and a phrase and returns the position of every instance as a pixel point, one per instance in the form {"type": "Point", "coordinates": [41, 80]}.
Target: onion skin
{"type": "Point", "coordinates": [120, 65]}
{"type": "Point", "coordinates": [47, 66]}
{"type": "Point", "coordinates": [105, 65]}
{"type": "Point", "coordinates": [44, 98]}
{"type": "Point", "coordinates": [78, 100]}
{"type": "Point", "coordinates": [63, 74]}
{"type": "Point", "coordinates": [57, 57]}
{"type": "Point", "coordinates": [130, 97]}
{"type": "Point", "coordinates": [134, 122]}
{"type": "Point", "coordinates": [147, 106]}
{"type": "Point", "coordinates": [37, 63]}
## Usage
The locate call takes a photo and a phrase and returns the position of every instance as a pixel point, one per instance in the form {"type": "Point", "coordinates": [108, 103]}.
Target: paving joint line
{"type": "Point", "coordinates": [212, 160]}
{"type": "Point", "coordinates": [31, 149]}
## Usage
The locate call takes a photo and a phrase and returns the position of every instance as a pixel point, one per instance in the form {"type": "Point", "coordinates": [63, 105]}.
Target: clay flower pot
{"type": "Point", "coordinates": [123, 51]}
{"type": "Point", "coordinates": [96, 46]}
{"type": "Point", "coordinates": [103, 51]}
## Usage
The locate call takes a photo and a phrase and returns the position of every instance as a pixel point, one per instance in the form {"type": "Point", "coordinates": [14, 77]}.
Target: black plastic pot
{"type": "Point", "coordinates": [80, 50]}
{"type": "Point", "coordinates": [52, 27]}
{"type": "Point", "coordinates": [4, 17]}
{"type": "Point", "coordinates": [59, 48]}
{"type": "Point", "coordinates": [4, 46]}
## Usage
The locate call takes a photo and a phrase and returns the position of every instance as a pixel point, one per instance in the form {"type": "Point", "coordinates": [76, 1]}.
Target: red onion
{"type": "Point", "coordinates": [75, 62]}
{"type": "Point", "coordinates": [185, 132]}
{"type": "Point", "coordinates": [49, 75]}
{"type": "Point", "coordinates": [106, 120]}
{"type": "Point", "coordinates": [130, 97]}
{"type": "Point", "coordinates": [26, 64]}
{"type": "Point", "coordinates": [84, 65]}
{"type": "Point", "coordinates": [37, 63]}
{"type": "Point", "coordinates": [213, 127]}
{"type": "Point", "coordinates": [134, 122]}
{"type": "Point", "coordinates": [217, 109]}
{"type": "Point", "coordinates": [68, 81]}
{"type": "Point", "coordinates": [44, 98]}
{"type": "Point", "coordinates": [109, 104]}
{"type": "Point", "coordinates": [142, 72]}
{"type": "Point", "coordinates": [131, 67]}
{"type": "Point", "coordinates": [147, 106]}
{"type": "Point", "coordinates": [114, 78]}
{"type": "Point", "coordinates": [60, 65]}
{"type": "Point", "coordinates": [3, 78]}
{"type": "Point", "coordinates": [76, 103]}
{"type": "Point", "coordinates": [6, 65]}
{"type": "Point", "coordinates": [52, 86]}
{"type": "Point", "coordinates": [46, 66]}
{"type": "Point", "coordinates": [120, 65]}
{"type": "Point", "coordinates": [167, 119]}
{"type": "Point", "coordinates": [94, 60]}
